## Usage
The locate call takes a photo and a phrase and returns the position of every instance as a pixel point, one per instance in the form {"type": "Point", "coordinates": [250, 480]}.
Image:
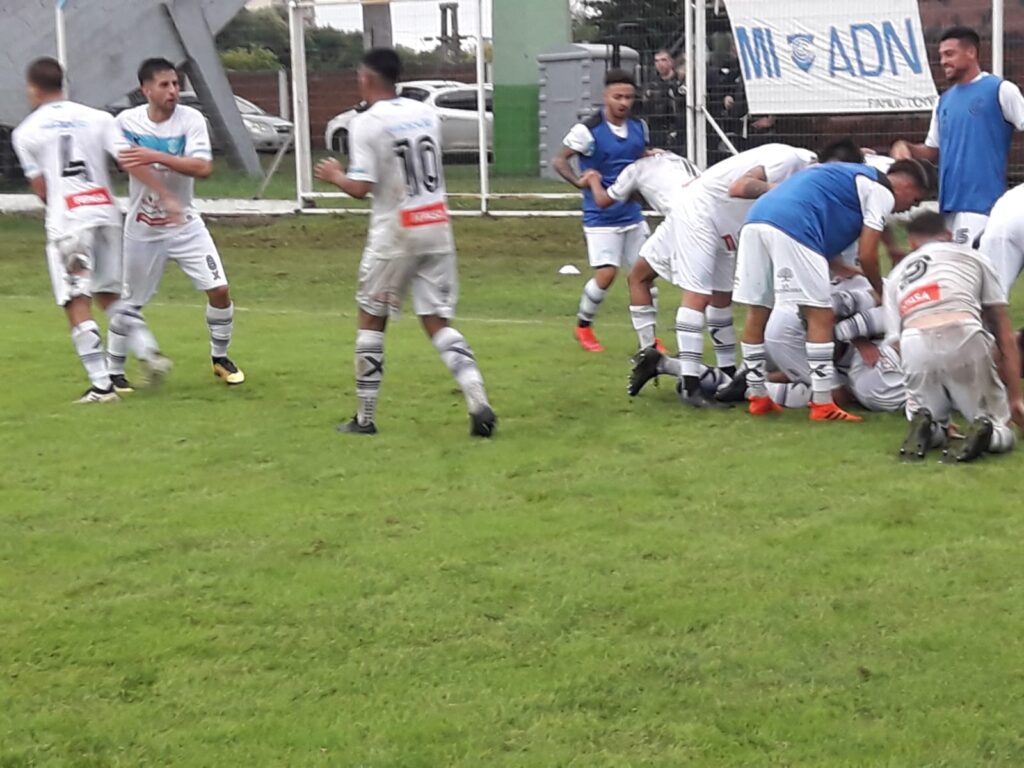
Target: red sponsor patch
{"type": "Point", "coordinates": [730, 243]}
{"type": "Point", "coordinates": [154, 221]}
{"type": "Point", "coordinates": [437, 213]}
{"type": "Point", "coordinates": [98, 196]}
{"type": "Point", "coordinates": [919, 297]}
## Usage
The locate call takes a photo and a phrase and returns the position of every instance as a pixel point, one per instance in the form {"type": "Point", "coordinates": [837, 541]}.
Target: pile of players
{"type": "Point", "coordinates": [795, 236]}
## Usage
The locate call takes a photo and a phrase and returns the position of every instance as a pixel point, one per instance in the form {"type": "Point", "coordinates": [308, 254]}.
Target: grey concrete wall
{"type": "Point", "coordinates": [106, 40]}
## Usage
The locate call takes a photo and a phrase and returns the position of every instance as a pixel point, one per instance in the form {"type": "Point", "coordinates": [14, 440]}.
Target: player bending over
{"type": "Point", "coordinates": [606, 142]}
{"type": "Point", "coordinates": [173, 140]}
{"type": "Point", "coordinates": [1003, 239]}
{"type": "Point", "coordinates": [938, 303]}
{"type": "Point", "coordinates": [694, 250]}
{"type": "Point", "coordinates": [63, 148]}
{"type": "Point", "coordinates": [396, 156]}
{"type": "Point", "coordinates": [791, 235]}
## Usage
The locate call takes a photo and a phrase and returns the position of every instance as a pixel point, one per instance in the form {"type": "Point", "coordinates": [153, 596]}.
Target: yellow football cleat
{"type": "Point", "coordinates": [227, 370]}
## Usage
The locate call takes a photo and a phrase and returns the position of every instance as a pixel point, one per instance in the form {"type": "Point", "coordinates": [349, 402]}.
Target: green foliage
{"type": "Point", "coordinates": [330, 50]}
{"type": "Point", "coordinates": [204, 576]}
{"type": "Point", "coordinates": [256, 29]}
{"type": "Point", "coordinates": [652, 23]}
{"type": "Point", "coordinates": [249, 59]}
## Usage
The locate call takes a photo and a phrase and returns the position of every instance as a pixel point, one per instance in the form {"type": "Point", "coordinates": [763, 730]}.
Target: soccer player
{"type": "Point", "coordinates": [173, 140]}
{"type": "Point", "coordinates": [938, 302]}
{"type": "Point", "coordinates": [63, 148]}
{"type": "Point", "coordinates": [790, 236]}
{"type": "Point", "coordinates": [694, 250]}
{"type": "Point", "coordinates": [970, 135]}
{"type": "Point", "coordinates": [396, 156]}
{"type": "Point", "coordinates": [1003, 239]}
{"type": "Point", "coordinates": [607, 142]}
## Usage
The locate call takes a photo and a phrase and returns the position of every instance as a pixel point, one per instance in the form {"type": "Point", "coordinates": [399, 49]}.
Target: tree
{"type": "Point", "coordinates": [256, 59]}
{"type": "Point", "coordinates": [257, 29]}
{"type": "Point", "coordinates": [645, 25]}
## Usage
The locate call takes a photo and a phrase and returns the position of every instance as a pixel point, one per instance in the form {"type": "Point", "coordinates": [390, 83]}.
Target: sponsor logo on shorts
{"type": "Point", "coordinates": [436, 213]}
{"type": "Point", "coordinates": [919, 297]}
{"type": "Point", "coordinates": [783, 280]}
{"type": "Point", "coordinates": [154, 221]}
{"type": "Point", "coordinates": [211, 263]}
{"type": "Point", "coordinates": [98, 196]}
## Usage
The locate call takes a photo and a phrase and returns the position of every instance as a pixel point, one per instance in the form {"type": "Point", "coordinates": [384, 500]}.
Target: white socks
{"type": "Point", "coordinates": [690, 339]}
{"type": "Point", "coordinates": [755, 360]}
{"type": "Point", "coordinates": [459, 358]}
{"type": "Point", "coordinates": [131, 333]}
{"type": "Point", "coordinates": [89, 346]}
{"type": "Point", "coordinates": [369, 363]}
{"type": "Point", "coordinates": [590, 301]}
{"type": "Point", "coordinates": [644, 317]}
{"type": "Point", "coordinates": [221, 323]}
{"type": "Point", "coordinates": [723, 335]}
{"type": "Point", "coordinates": [823, 371]}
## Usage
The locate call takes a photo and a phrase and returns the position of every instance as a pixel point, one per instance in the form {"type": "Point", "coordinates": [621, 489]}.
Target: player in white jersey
{"type": "Point", "coordinates": [174, 141]}
{"type": "Point", "coordinates": [1003, 238]}
{"type": "Point", "coordinates": [938, 303]}
{"type": "Point", "coordinates": [395, 155]}
{"type": "Point", "coordinates": [64, 148]}
{"type": "Point", "coordinates": [697, 253]}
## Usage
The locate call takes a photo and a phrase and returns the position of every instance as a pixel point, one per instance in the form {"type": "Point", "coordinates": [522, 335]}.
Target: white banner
{"type": "Point", "coordinates": [819, 56]}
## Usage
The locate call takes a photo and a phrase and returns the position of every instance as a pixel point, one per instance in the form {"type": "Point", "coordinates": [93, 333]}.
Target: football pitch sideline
{"type": "Point", "coordinates": [204, 576]}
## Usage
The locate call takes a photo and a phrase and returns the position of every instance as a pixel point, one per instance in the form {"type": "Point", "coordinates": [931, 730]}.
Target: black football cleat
{"type": "Point", "coordinates": [224, 368]}
{"type": "Point", "coordinates": [645, 367]}
{"type": "Point", "coordinates": [976, 442]}
{"type": "Point", "coordinates": [355, 428]}
{"type": "Point", "coordinates": [735, 391]}
{"type": "Point", "coordinates": [483, 423]}
{"type": "Point", "coordinates": [919, 437]}
{"type": "Point", "coordinates": [698, 399]}
{"type": "Point", "coordinates": [121, 384]}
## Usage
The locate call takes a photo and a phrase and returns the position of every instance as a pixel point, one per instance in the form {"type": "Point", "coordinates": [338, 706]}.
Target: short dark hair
{"type": "Point", "coordinates": [385, 63]}
{"type": "Point", "coordinates": [46, 74]}
{"type": "Point", "coordinates": [667, 52]}
{"type": "Point", "coordinates": [841, 151]}
{"type": "Point", "coordinates": [927, 224]}
{"type": "Point", "coordinates": [618, 77]}
{"type": "Point", "coordinates": [150, 67]}
{"type": "Point", "coordinates": [915, 170]}
{"type": "Point", "coordinates": [962, 35]}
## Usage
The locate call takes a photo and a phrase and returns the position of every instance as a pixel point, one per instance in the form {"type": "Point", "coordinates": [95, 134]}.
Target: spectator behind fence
{"type": "Point", "coordinates": [727, 103]}
{"type": "Point", "coordinates": [664, 104]}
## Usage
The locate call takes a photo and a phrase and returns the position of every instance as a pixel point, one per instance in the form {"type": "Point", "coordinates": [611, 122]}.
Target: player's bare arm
{"type": "Point", "coordinates": [38, 187]}
{"type": "Point", "coordinates": [750, 185]}
{"type": "Point", "coordinates": [601, 197]}
{"type": "Point", "coordinates": [904, 150]}
{"type": "Point", "coordinates": [998, 320]}
{"type": "Point", "coordinates": [196, 167]}
{"type": "Point", "coordinates": [564, 168]}
{"type": "Point", "coordinates": [330, 170]}
{"type": "Point", "coordinates": [867, 252]}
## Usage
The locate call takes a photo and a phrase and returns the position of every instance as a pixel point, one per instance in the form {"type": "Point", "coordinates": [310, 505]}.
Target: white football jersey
{"type": "Point", "coordinates": [939, 278]}
{"type": "Point", "coordinates": [183, 134]}
{"type": "Point", "coordinates": [396, 146]}
{"type": "Point", "coordinates": [711, 190]}
{"type": "Point", "coordinates": [660, 178]}
{"type": "Point", "coordinates": [67, 144]}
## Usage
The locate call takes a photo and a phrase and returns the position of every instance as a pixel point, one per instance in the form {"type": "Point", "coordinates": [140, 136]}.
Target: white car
{"type": "Point", "coordinates": [456, 106]}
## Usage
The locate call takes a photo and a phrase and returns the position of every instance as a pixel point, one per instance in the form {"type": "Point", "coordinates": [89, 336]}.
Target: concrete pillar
{"type": "Point", "coordinates": [377, 26]}
{"type": "Point", "coordinates": [522, 29]}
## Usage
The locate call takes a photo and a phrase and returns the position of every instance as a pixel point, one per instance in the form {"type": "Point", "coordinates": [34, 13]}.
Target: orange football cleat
{"type": "Point", "coordinates": [660, 347]}
{"type": "Point", "coordinates": [587, 339]}
{"type": "Point", "coordinates": [831, 412]}
{"type": "Point", "coordinates": [761, 406]}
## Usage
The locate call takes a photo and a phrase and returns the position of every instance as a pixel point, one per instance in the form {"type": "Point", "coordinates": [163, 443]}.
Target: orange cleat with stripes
{"type": "Point", "coordinates": [587, 339]}
{"type": "Point", "coordinates": [831, 412]}
{"type": "Point", "coordinates": [762, 406]}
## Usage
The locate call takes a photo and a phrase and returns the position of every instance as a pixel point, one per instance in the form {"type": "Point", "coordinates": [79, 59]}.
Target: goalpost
{"type": "Point", "coordinates": [297, 10]}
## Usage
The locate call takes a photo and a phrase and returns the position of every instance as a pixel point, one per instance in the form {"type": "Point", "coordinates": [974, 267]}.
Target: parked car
{"type": "Point", "coordinates": [268, 132]}
{"type": "Point", "coordinates": [456, 107]}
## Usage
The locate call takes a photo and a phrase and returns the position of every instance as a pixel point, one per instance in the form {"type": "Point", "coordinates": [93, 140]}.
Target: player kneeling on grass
{"type": "Point", "coordinates": [63, 148]}
{"type": "Point", "coordinates": [791, 235]}
{"type": "Point", "coordinates": [938, 302]}
{"type": "Point", "coordinates": [396, 156]}
{"type": "Point", "coordinates": [173, 140]}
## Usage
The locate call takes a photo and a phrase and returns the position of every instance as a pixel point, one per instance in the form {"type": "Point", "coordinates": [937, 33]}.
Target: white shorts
{"type": "Point", "coordinates": [771, 265]}
{"type": "Point", "coordinates": [385, 281]}
{"type": "Point", "coordinates": [785, 342]}
{"type": "Point", "coordinates": [879, 387]}
{"type": "Point", "coordinates": [687, 254]}
{"type": "Point", "coordinates": [1005, 249]}
{"type": "Point", "coordinates": [191, 247]}
{"type": "Point", "coordinates": [966, 226]}
{"type": "Point", "coordinates": [615, 247]}
{"type": "Point", "coordinates": [101, 249]}
{"type": "Point", "coordinates": [950, 368]}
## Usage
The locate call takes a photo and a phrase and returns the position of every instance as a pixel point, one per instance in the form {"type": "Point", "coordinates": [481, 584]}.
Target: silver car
{"type": "Point", "coordinates": [268, 132]}
{"type": "Point", "coordinates": [456, 107]}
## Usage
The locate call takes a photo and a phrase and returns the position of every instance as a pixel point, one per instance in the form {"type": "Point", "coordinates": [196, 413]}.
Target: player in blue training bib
{"type": "Point", "coordinates": [970, 135]}
{"type": "Point", "coordinates": [606, 143]}
{"type": "Point", "coordinates": [791, 235]}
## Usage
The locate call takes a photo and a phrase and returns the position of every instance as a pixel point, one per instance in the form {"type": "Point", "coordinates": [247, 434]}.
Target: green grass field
{"type": "Point", "coordinates": [209, 577]}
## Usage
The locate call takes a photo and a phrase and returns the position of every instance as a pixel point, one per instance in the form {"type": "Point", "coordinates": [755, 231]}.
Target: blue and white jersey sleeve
{"type": "Point", "coordinates": [362, 152]}
{"type": "Point", "coordinates": [113, 138]}
{"type": "Point", "coordinates": [580, 140]}
{"type": "Point", "coordinates": [876, 202]}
